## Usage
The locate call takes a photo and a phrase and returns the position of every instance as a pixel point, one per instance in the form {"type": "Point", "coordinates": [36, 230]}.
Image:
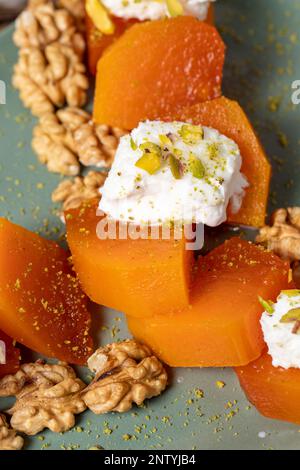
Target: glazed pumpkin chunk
{"type": "Point", "coordinates": [210, 19]}
{"type": "Point", "coordinates": [142, 277]}
{"type": "Point", "coordinates": [221, 326]}
{"type": "Point", "coordinates": [98, 42]}
{"type": "Point", "coordinates": [158, 67]}
{"type": "Point", "coordinates": [41, 303]}
{"type": "Point", "coordinates": [274, 391]}
{"type": "Point", "coordinates": [229, 119]}
{"type": "Point", "coordinates": [12, 355]}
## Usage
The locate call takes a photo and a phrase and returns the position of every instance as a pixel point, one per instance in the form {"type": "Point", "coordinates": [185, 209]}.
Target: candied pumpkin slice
{"type": "Point", "coordinates": [41, 303]}
{"type": "Point", "coordinates": [98, 42]}
{"type": "Point", "coordinates": [274, 391]}
{"type": "Point", "coordinates": [156, 68]}
{"type": "Point", "coordinates": [142, 277]}
{"type": "Point", "coordinates": [12, 356]}
{"type": "Point", "coordinates": [229, 118]}
{"type": "Point", "coordinates": [210, 19]}
{"type": "Point", "coordinates": [221, 326]}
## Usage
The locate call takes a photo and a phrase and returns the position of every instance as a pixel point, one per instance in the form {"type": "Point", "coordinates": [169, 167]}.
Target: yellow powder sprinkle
{"type": "Point", "coordinates": [220, 384]}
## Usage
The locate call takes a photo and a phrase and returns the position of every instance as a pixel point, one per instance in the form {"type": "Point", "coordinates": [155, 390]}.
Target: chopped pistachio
{"type": "Point", "coordinates": [191, 134]}
{"type": "Point", "coordinates": [291, 316]}
{"type": "Point", "coordinates": [178, 153]}
{"type": "Point", "coordinates": [150, 147]}
{"type": "Point", "coordinates": [196, 167]}
{"type": "Point", "coordinates": [165, 140]}
{"type": "Point", "coordinates": [267, 305]}
{"type": "Point", "coordinates": [98, 13]}
{"type": "Point", "coordinates": [133, 144]}
{"type": "Point", "coordinates": [150, 162]}
{"type": "Point", "coordinates": [174, 7]}
{"type": "Point", "coordinates": [291, 292]}
{"type": "Point", "coordinates": [175, 167]}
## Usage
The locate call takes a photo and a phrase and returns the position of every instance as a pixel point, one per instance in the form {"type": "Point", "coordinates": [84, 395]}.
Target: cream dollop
{"type": "Point", "coordinates": [209, 179]}
{"type": "Point", "coordinates": [154, 9]}
{"type": "Point", "coordinates": [282, 342]}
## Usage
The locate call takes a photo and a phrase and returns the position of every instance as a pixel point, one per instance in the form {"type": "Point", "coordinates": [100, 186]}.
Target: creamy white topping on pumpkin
{"type": "Point", "coordinates": [2, 352]}
{"type": "Point", "coordinates": [170, 172]}
{"type": "Point", "coordinates": [281, 328]}
{"type": "Point", "coordinates": [156, 9]}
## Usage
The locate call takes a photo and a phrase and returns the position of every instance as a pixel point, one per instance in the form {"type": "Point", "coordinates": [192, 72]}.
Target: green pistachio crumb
{"type": "Point", "coordinates": [175, 167]}
{"type": "Point", "coordinates": [291, 316]}
{"type": "Point", "coordinates": [174, 8]}
{"type": "Point", "coordinates": [267, 305]}
{"type": "Point", "coordinates": [150, 162]}
{"type": "Point", "coordinates": [196, 167]}
{"type": "Point", "coordinates": [191, 134]}
{"type": "Point", "coordinates": [291, 292]}
{"type": "Point", "coordinates": [133, 144]}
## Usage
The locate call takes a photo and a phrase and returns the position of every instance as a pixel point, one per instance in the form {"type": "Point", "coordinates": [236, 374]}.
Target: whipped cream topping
{"type": "Point", "coordinates": [280, 329]}
{"type": "Point", "coordinates": [154, 9]}
{"type": "Point", "coordinates": [196, 177]}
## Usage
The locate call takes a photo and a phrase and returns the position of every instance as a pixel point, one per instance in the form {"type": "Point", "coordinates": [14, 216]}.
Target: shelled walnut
{"type": "Point", "coordinates": [97, 144]}
{"type": "Point", "coordinates": [64, 139]}
{"type": "Point", "coordinates": [43, 23]}
{"type": "Point", "coordinates": [53, 140]}
{"type": "Point", "coordinates": [50, 71]}
{"type": "Point", "coordinates": [76, 8]}
{"type": "Point", "coordinates": [32, 96]}
{"type": "Point", "coordinates": [50, 395]}
{"type": "Point", "coordinates": [54, 146]}
{"type": "Point", "coordinates": [283, 237]}
{"type": "Point", "coordinates": [126, 373]}
{"type": "Point", "coordinates": [47, 396]}
{"type": "Point", "coordinates": [72, 193]}
{"type": "Point", "coordinates": [57, 74]}
{"type": "Point", "coordinates": [9, 440]}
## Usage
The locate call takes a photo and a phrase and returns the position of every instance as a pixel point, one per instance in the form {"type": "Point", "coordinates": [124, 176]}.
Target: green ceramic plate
{"type": "Point", "coordinates": [262, 61]}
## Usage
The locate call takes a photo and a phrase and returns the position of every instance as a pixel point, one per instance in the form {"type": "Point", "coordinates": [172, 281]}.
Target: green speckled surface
{"type": "Point", "coordinates": [262, 61]}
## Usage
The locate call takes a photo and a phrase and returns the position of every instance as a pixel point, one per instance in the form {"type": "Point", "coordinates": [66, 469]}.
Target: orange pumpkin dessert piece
{"type": "Point", "coordinates": [41, 303]}
{"type": "Point", "coordinates": [210, 19]}
{"type": "Point", "coordinates": [229, 119]}
{"type": "Point", "coordinates": [156, 68]}
{"type": "Point", "coordinates": [141, 277]}
{"type": "Point", "coordinates": [12, 358]}
{"type": "Point", "coordinates": [98, 42]}
{"type": "Point", "coordinates": [221, 327]}
{"type": "Point", "coordinates": [274, 391]}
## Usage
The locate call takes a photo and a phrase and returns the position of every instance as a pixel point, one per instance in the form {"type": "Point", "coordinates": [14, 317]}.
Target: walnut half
{"type": "Point", "coordinates": [65, 138]}
{"type": "Point", "coordinates": [73, 192]}
{"type": "Point", "coordinates": [50, 71]}
{"type": "Point", "coordinates": [96, 144]}
{"type": "Point", "coordinates": [283, 235]}
{"type": "Point", "coordinates": [9, 440]}
{"type": "Point", "coordinates": [47, 396]}
{"type": "Point", "coordinates": [126, 373]}
{"type": "Point", "coordinates": [44, 22]}
{"type": "Point", "coordinates": [53, 140]}
{"type": "Point", "coordinates": [283, 238]}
